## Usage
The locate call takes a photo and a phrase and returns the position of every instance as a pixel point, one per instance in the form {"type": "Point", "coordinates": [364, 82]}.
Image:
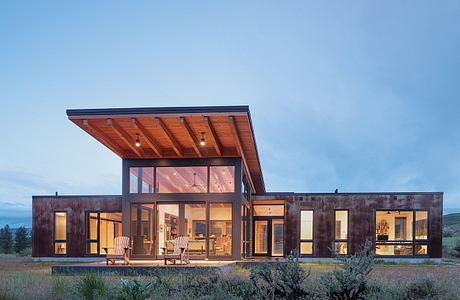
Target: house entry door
{"type": "Point", "coordinates": [268, 236]}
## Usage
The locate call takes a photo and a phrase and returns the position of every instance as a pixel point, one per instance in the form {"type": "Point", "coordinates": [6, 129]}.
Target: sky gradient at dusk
{"type": "Point", "coordinates": [356, 96]}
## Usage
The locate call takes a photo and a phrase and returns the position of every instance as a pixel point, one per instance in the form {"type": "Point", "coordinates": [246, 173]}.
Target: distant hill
{"type": "Point", "coordinates": [451, 219]}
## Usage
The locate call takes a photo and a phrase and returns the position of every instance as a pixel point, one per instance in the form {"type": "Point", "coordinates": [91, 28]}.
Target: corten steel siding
{"type": "Point", "coordinates": [235, 197]}
{"type": "Point", "coordinates": [43, 208]}
{"type": "Point", "coordinates": [361, 209]}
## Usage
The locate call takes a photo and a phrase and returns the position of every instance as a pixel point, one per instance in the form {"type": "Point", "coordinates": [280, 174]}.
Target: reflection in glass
{"type": "Point", "coordinates": [277, 237]}
{"type": "Point", "coordinates": [109, 229]}
{"type": "Point", "coordinates": [182, 179]}
{"type": "Point", "coordinates": [421, 249]}
{"type": "Point", "coordinates": [222, 179]}
{"type": "Point", "coordinates": [147, 180]}
{"type": "Point", "coordinates": [142, 228]}
{"type": "Point", "coordinates": [133, 180]}
{"type": "Point", "coordinates": [220, 231]}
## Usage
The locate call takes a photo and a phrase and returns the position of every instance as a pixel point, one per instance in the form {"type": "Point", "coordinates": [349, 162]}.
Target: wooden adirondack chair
{"type": "Point", "coordinates": [180, 251]}
{"type": "Point", "coordinates": [120, 250]}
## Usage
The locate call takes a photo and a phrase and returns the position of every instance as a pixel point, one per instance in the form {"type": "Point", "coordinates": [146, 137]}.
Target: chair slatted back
{"type": "Point", "coordinates": [180, 242]}
{"type": "Point", "coordinates": [119, 245]}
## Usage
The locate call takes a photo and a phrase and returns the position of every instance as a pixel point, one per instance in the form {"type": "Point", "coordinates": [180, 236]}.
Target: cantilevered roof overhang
{"type": "Point", "coordinates": [175, 132]}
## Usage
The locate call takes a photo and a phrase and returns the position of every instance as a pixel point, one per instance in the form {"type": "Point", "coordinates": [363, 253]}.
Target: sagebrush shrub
{"type": "Point", "coordinates": [133, 290]}
{"type": "Point", "coordinates": [456, 250]}
{"type": "Point", "coordinates": [351, 280]}
{"type": "Point", "coordinates": [280, 280]}
{"type": "Point", "coordinates": [91, 286]}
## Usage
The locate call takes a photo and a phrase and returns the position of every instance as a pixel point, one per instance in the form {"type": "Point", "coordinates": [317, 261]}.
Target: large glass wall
{"type": "Point", "coordinates": [401, 232]}
{"type": "Point", "coordinates": [222, 179]}
{"type": "Point", "coordinates": [167, 226]}
{"type": "Point", "coordinates": [101, 230]}
{"type": "Point", "coordinates": [141, 179]}
{"type": "Point", "coordinates": [306, 232]}
{"type": "Point", "coordinates": [182, 179]}
{"type": "Point", "coordinates": [195, 228]}
{"type": "Point", "coordinates": [220, 231]}
{"type": "Point", "coordinates": [60, 233]}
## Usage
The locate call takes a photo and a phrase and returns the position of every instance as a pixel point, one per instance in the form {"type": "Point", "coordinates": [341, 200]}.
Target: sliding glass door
{"type": "Point", "coordinates": [142, 230]}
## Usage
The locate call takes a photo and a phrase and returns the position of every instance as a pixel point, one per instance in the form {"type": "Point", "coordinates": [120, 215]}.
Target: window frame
{"type": "Point", "coordinates": [66, 233]}
{"type": "Point", "coordinates": [312, 241]}
{"type": "Point", "coordinates": [413, 242]}
{"type": "Point", "coordinates": [347, 240]}
{"type": "Point", "coordinates": [98, 240]}
{"type": "Point", "coordinates": [155, 178]}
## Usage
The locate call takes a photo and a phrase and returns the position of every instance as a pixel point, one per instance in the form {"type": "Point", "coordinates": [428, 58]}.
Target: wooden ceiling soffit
{"type": "Point", "coordinates": [102, 137]}
{"type": "Point", "coordinates": [239, 147]}
{"type": "Point", "coordinates": [148, 137]}
{"type": "Point", "coordinates": [174, 143]}
{"type": "Point", "coordinates": [213, 135]}
{"type": "Point", "coordinates": [124, 136]}
{"type": "Point", "coordinates": [191, 136]}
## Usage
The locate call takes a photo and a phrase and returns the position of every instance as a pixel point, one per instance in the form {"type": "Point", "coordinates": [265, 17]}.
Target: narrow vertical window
{"type": "Point", "coordinates": [341, 232]}
{"type": "Point", "coordinates": [306, 232]}
{"type": "Point", "coordinates": [421, 232]}
{"type": "Point", "coordinates": [60, 233]}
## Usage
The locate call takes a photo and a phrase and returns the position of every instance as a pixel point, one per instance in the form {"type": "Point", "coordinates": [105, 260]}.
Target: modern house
{"type": "Point", "coordinates": [195, 171]}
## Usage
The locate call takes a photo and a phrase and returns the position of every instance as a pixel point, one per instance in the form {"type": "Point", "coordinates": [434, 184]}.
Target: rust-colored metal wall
{"type": "Point", "coordinates": [361, 207]}
{"type": "Point", "coordinates": [43, 208]}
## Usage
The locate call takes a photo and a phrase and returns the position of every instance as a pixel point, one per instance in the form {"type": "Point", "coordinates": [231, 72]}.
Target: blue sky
{"type": "Point", "coordinates": [360, 96]}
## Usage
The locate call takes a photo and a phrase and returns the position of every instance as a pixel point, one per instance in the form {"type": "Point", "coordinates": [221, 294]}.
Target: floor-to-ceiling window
{"type": "Point", "coordinates": [195, 228]}
{"type": "Point", "coordinates": [401, 232]}
{"type": "Point", "coordinates": [142, 229]}
{"type": "Point", "coordinates": [220, 229]}
{"type": "Point", "coordinates": [101, 230]}
{"type": "Point", "coordinates": [167, 226]}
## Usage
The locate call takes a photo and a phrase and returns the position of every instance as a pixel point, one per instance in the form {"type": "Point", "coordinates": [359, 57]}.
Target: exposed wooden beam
{"type": "Point", "coordinates": [175, 144]}
{"type": "Point", "coordinates": [124, 136]}
{"type": "Point", "coordinates": [148, 137]}
{"type": "Point", "coordinates": [102, 137]}
{"type": "Point", "coordinates": [191, 136]}
{"type": "Point", "coordinates": [239, 148]}
{"type": "Point", "coordinates": [213, 135]}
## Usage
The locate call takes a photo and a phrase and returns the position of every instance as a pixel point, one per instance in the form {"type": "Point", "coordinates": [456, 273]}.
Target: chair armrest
{"type": "Point", "coordinates": [106, 250]}
{"type": "Point", "coordinates": [182, 250]}
{"type": "Point", "coordinates": [163, 249]}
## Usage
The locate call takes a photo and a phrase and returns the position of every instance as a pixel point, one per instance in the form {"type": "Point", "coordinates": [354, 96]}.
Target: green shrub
{"type": "Point", "coordinates": [133, 290]}
{"type": "Point", "coordinates": [425, 288]}
{"type": "Point", "coordinates": [280, 280]}
{"type": "Point", "coordinates": [456, 250]}
{"type": "Point", "coordinates": [5, 294]}
{"type": "Point", "coordinates": [91, 286]}
{"type": "Point", "coordinates": [351, 281]}
{"type": "Point", "coordinates": [60, 288]}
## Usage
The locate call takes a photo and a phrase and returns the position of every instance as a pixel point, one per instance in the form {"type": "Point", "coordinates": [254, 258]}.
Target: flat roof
{"type": "Point", "coordinates": [176, 132]}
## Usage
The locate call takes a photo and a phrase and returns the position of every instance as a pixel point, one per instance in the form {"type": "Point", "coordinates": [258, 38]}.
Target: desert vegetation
{"type": "Point", "coordinates": [356, 277]}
